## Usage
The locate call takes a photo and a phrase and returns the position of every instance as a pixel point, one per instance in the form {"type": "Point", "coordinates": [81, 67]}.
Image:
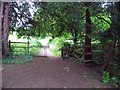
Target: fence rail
{"type": "Point", "coordinates": [26, 48]}
{"type": "Point", "coordinates": [20, 42]}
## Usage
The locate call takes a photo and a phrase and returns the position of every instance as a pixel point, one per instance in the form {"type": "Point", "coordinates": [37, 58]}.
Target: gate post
{"type": "Point", "coordinates": [28, 47]}
{"type": "Point", "coordinates": [9, 45]}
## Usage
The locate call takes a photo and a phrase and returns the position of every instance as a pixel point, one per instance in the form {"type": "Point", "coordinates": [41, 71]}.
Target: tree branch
{"type": "Point", "coordinates": [103, 20]}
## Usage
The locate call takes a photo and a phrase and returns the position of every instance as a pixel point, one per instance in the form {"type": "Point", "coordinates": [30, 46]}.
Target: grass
{"type": "Point", "coordinates": [34, 48]}
{"type": "Point", "coordinates": [17, 59]}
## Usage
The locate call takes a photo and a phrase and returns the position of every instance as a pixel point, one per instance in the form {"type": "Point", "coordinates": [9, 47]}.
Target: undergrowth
{"type": "Point", "coordinates": [17, 59]}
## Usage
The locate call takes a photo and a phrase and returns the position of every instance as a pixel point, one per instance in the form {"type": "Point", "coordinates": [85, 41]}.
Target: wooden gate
{"type": "Point", "coordinates": [25, 48]}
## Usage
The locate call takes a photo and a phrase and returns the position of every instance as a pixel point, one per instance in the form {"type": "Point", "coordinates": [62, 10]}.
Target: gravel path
{"type": "Point", "coordinates": [50, 72]}
{"type": "Point", "coordinates": [45, 51]}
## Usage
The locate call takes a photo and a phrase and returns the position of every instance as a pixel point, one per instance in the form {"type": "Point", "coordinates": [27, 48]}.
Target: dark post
{"type": "Point", "coordinates": [9, 45]}
{"type": "Point", "coordinates": [28, 45]}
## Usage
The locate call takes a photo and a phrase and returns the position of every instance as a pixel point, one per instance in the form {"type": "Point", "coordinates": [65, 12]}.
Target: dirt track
{"type": "Point", "coordinates": [50, 72]}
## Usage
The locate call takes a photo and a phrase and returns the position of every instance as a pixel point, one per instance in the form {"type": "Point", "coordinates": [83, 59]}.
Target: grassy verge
{"type": "Point", "coordinates": [17, 59]}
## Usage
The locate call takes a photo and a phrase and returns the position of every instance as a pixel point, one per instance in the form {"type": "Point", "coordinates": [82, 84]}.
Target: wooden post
{"type": "Point", "coordinates": [9, 45]}
{"type": "Point", "coordinates": [28, 46]}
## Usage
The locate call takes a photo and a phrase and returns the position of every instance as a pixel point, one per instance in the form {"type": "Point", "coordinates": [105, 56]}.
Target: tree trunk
{"type": "Point", "coordinates": [87, 49]}
{"type": "Point", "coordinates": [75, 37]}
{"type": "Point", "coordinates": [1, 26]}
{"type": "Point", "coordinates": [108, 57]}
{"type": "Point", "coordinates": [74, 34]}
{"type": "Point", "coordinates": [5, 32]}
{"type": "Point", "coordinates": [1, 11]}
{"type": "Point", "coordinates": [119, 47]}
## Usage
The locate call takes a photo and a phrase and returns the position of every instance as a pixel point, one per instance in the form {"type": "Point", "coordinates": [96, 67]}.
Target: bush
{"type": "Point", "coordinates": [58, 43]}
{"type": "Point", "coordinates": [116, 71]}
{"type": "Point", "coordinates": [36, 44]}
{"type": "Point", "coordinates": [34, 50]}
{"type": "Point", "coordinates": [35, 47]}
{"type": "Point", "coordinates": [105, 77]}
{"type": "Point", "coordinates": [97, 53]}
{"type": "Point", "coordinates": [114, 80]}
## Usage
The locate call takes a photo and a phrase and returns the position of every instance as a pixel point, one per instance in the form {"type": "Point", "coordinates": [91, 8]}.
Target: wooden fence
{"type": "Point", "coordinates": [26, 48]}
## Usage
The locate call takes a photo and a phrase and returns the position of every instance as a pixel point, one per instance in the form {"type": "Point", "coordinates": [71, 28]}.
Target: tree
{"type": "Point", "coordinates": [87, 50]}
{"type": "Point", "coordinates": [13, 15]}
{"type": "Point", "coordinates": [1, 9]}
{"type": "Point", "coordinates": [5, 26]}
{"type": "Point", "coordinates": [114, 31]}
{"type": "Point", "coordinates": [58, 19]}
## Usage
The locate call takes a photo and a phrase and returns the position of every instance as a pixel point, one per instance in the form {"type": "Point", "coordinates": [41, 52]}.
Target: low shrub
{"type": "Point", "coordinates": [105, 77]}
